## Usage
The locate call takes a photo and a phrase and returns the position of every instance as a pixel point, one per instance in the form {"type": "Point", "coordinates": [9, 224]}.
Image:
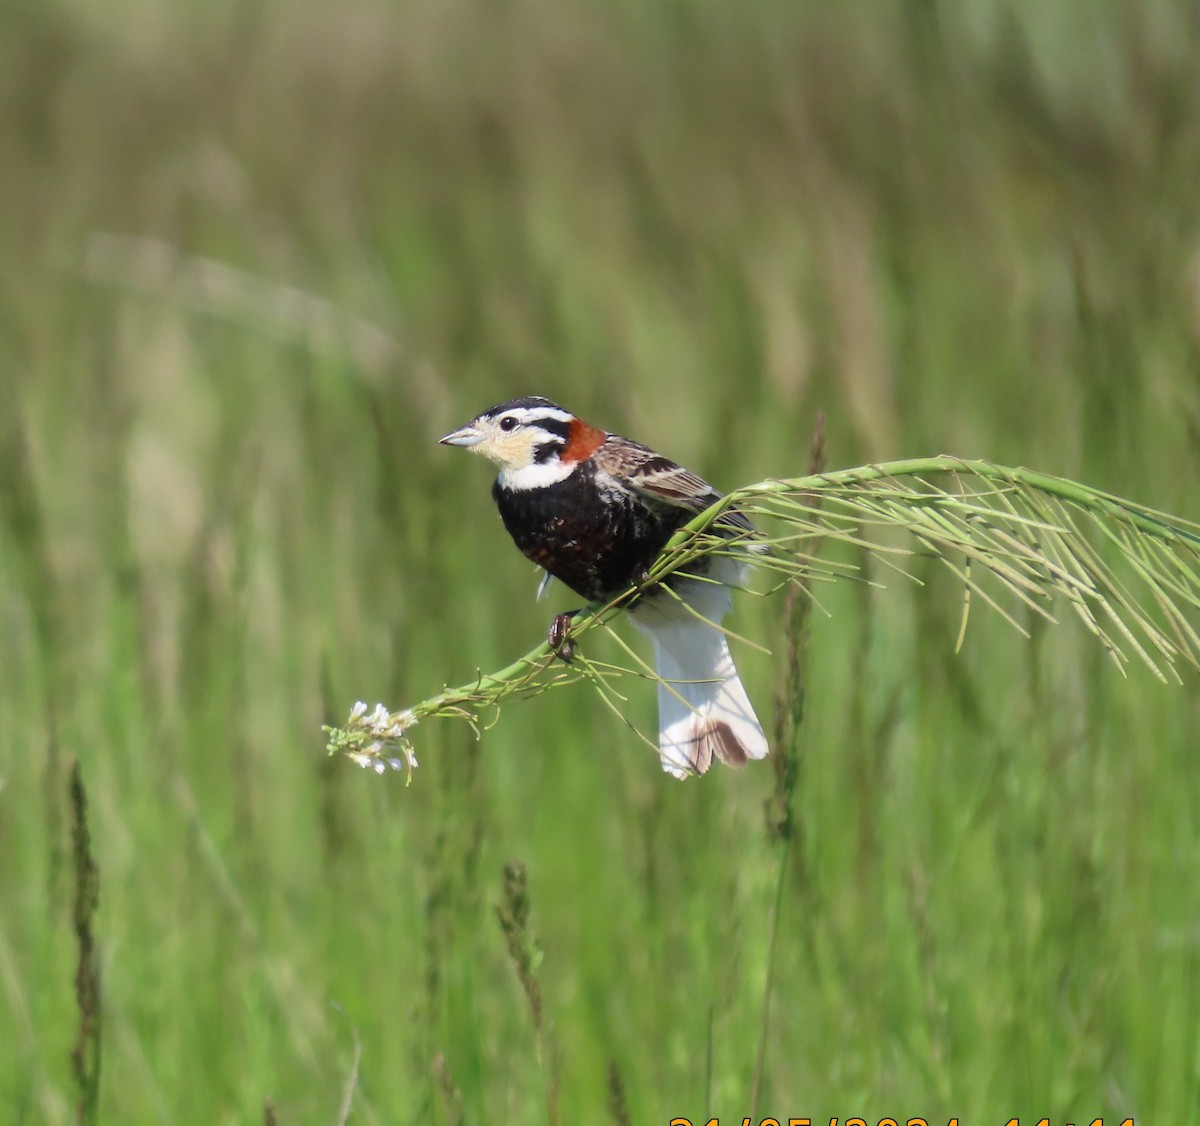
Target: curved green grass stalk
{"type": "Point", "coordinates": [1129, 573]}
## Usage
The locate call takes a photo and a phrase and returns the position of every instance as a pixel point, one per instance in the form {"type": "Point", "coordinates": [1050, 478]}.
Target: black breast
{"type": "Point", "coordinates": [596, 544]}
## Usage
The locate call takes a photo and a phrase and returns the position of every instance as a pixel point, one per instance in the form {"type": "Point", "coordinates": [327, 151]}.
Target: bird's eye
{"type": "Point", "coordinates": [507, 422]}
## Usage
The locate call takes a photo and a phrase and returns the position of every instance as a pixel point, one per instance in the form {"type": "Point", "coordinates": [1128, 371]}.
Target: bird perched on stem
{"type": "Point", "coordinates": [594, 510]}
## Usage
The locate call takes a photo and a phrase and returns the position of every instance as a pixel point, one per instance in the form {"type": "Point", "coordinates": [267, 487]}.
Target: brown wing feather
{"type": "Point", "coordinates": [659, 479]}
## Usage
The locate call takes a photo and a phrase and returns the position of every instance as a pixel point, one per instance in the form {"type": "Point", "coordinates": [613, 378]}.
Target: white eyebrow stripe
{"type": "Point", "coordinates": [535, 414]}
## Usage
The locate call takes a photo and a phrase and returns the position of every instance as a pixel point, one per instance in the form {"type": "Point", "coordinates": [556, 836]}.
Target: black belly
{"type": "Point", "coordinates": [595, 547]}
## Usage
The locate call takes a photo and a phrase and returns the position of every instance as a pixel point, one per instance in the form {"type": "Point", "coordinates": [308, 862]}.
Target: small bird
{"type": "Point", "coordinates": [594, 510]}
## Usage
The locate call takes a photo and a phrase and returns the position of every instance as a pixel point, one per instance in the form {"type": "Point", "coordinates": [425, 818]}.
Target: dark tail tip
{"type": "Point", "coordinates": [714, 738]}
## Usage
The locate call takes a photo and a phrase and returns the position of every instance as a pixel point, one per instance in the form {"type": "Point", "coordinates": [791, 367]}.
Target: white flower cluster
{"type": "Point", "coordinates": [387, 731]}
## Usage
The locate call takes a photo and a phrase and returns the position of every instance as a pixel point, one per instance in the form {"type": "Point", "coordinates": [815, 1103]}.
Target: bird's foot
{"type": "Point", "coordinates": [640, 586]}
{"type": "Point", "coordinates": [559, 638]}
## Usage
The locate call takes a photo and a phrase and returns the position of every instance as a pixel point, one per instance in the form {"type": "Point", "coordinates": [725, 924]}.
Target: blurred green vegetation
{"type": "Point", "coordinates": [256, 256]}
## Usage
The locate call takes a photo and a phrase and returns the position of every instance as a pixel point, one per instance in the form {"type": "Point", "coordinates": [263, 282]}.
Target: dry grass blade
{"type": "Point", "coordinates": [1012, 537]}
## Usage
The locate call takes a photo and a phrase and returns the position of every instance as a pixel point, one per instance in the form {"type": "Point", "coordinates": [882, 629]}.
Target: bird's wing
{"type": "Point", "coordinates": [660, 480]}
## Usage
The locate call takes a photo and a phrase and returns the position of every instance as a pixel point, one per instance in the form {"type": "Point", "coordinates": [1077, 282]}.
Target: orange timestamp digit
{"type": "Point", "coordinates": [889, 1122]}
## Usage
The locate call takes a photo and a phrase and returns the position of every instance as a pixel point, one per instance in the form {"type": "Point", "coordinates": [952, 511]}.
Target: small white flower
{"type": "Point", "coordinates": [388, 749]}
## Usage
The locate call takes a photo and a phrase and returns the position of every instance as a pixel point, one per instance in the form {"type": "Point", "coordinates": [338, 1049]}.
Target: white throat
{"type": "Point", "coordinates": [536, 476]}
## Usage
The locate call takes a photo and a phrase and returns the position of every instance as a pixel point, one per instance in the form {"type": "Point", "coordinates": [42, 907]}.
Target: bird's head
{"type": "Point", "coordinates": [533, 441]}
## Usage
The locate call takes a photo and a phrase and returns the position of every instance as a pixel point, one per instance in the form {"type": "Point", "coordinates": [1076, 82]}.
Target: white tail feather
{"type": "Point", "coordinates": [703, 710]}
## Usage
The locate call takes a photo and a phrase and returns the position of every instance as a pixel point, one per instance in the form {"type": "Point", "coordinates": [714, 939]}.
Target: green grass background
{"type": "Point", "coordinates": [965, 228]}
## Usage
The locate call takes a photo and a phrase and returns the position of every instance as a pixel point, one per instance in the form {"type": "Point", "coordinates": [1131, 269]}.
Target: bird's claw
{"type": "Point", "coordinates": [559, 639]}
